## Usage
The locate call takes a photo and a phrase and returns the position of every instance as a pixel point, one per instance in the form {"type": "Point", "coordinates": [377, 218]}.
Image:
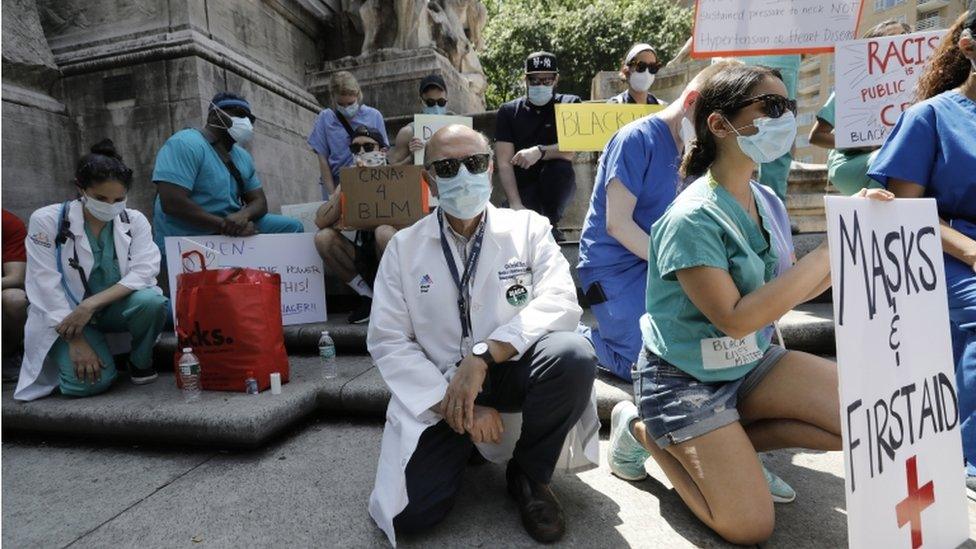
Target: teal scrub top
{"type": "Point", "coordinates": [706, 226]}
{"type": "Point", "coordinates": [105, 271]}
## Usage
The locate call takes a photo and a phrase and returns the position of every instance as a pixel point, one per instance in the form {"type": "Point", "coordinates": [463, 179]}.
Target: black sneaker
{"type": "Point", "coordinates": [142, 376]}
{"type": "Point", "coordinates": [360, 315]}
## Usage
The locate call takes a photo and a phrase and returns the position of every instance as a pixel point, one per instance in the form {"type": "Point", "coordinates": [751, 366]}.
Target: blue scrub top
{"type": "Point", "coordinates": [187, 159]}
{"type": "Point", "coordinates": [330, 140]}
{"type": "Point", "coordinates": [645, 158]}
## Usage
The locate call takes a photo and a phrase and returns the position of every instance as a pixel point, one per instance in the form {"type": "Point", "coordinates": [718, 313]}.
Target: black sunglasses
{"type": "Point", "coordinates": [541, 80]}
{"type": "Point", "coordinates": [439, 102]}
{"type": "Point", "coordinates": [774, 105]}
{"type": "Point", "coordinates": [448, 167]}
{"type": "Point", "coordinates": [641, 66]}
{"type": "Point", "coordinates": [368, 147]}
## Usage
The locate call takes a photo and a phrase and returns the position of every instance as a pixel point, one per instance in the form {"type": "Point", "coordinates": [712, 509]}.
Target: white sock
{"type": "Point", "coordinates": [360, 287]}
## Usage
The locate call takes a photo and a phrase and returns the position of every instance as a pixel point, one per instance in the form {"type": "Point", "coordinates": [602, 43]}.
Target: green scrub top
{"type": "Point", "coordinates": [848, 171]}
{"type": "Point", "coordinates": [705, 226]}
{"type": "Point", "coordinates": [105, 271]}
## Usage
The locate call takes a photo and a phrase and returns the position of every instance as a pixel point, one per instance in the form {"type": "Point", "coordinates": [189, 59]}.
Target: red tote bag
{"type": "Point", "coordinates": [231, 318]}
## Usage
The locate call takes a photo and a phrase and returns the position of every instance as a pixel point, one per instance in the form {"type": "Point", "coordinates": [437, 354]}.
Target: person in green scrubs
{"type": "Point", "coordinates": [711, 389]}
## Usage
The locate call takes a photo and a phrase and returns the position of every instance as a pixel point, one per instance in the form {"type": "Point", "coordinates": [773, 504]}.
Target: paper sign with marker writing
{"type": "Point", "coordinates": [425, 125]}
{"type": "Point", "coordinates": [770, 27]}
{"type": "Point", "coordinates": [588, 126]}
{"type": "Point", "coordinates": [304, 213]}
{"type": "Point", "coordinates": [899, 410]}
{"type": "Point", "coordinates": [292, 256]}
{"type": "Point", "coordinates": [875, 82]}
{"type": "Point", "coordinates": [382, 195]}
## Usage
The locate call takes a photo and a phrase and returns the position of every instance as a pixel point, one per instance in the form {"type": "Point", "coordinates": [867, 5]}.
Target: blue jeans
{"type": "Point", "coordinates": [617, 338]}
{"type": "Point", "coordinates": [961, 286]}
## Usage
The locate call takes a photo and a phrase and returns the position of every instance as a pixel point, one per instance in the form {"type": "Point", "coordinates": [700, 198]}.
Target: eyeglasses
{"type": "Point", "coordinates": [367, 147]}
{"type": "Point", "coordinates": [774, 105]}
{"type": "Point", "coordinates": [448, 167]}
{"type": "Point", "coordinates": [641, 66]}
{"type": "Point", "coordinates": [541, 80]}
{"type": "Point", "coordinates": [439, 102]}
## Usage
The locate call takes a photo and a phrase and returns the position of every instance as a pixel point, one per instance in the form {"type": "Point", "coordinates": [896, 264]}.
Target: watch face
{"type": "Point", "coordinates": [480, 348]}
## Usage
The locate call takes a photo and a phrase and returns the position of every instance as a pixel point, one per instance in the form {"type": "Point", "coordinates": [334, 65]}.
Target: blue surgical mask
{"type": "Point", "coordinates": [436, 109]}
{"type": "Point", "coordinates": [465, 195]}
{"type": "Point", "coordinates": [540, 95]}
{"type": "Point", "coordinates": [349, 111]}
{"type": "Point", "coordinates": [774, 138]}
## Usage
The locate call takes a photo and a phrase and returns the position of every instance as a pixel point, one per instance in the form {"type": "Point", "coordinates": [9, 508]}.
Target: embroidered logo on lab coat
{"type": "Point", "coordinates": [425, 283]}
{"type": "Point", "coordinates": [41, 239]}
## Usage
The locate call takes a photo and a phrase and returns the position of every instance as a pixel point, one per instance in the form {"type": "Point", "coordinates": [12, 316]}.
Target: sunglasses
{"type": "Point", "coordinates": [774, 105]}
{"type": "Point", "coordinates": [541, 80]}
{"type": "Point", "coordinates": [367, 147]}
{"type": "Point", "coordinates": [641, 66]}
{"type": "Point", "coordinates": [449, 167]}
{"type": "Point", "coordinates": [439, 102]}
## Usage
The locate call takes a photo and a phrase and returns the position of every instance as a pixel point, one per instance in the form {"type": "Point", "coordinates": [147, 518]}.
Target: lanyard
{"type": "Point", "coordinates": [461, 281]}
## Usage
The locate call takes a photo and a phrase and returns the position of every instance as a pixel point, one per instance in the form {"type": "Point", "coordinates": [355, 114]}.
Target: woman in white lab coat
{"type": "Point", "coordinates": [91, 271]}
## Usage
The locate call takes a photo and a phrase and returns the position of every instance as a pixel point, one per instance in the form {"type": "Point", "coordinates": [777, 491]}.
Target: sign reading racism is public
{"type": "Point", "coordinates": [586, 127]}
{"type": "Point", "coordinates": [875, 82]}
{"type": "Point", "coordinates": [899, 411]}
{"type": "Point", "coordinates": [382, 195]}
{"type": "Point", "coordinates": [292, 256]}
{"type": "Point", "coordinates": [424, 126]}
{"type": "Point", "coordinates": [759, 27]}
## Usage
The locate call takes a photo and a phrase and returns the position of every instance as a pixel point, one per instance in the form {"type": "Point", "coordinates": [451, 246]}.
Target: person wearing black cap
{"type": "Point", "coordinates": [207, 183]}
{"type": "Point", "coordinates": [533, 171]}
{"type": "Point", "coordinates": [354, 258]}
{"type": "Point", "coordinates": [433, 100]}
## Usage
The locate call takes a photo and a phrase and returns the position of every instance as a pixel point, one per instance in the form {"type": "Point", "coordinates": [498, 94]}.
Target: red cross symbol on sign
{"type": "Point", "coordinates": [909, 510]}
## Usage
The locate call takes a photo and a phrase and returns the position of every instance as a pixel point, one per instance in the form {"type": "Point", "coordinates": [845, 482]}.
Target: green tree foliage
{"type": "Point", "coordinates": [586, 35]}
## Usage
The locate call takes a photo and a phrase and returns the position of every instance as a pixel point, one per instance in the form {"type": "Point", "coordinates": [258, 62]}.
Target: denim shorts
{"type": "Point", "coordinates": [676, 407]}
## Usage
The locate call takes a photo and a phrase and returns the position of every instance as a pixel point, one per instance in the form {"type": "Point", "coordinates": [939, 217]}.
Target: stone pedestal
{"type": "Point", "coordinates": [605, 85]}
{"type": "Point", "coordinates": [390, 79]}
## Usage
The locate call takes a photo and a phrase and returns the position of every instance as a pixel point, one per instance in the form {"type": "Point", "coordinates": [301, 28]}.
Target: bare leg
{"type": "Point", "coordinates": [338, 253]}
{"type": "Point", "coordinates": [384, 234]}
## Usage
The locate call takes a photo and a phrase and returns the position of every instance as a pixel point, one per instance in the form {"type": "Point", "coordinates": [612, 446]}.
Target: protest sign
{"type": "Point", "coordinates": [292, 256]}
{"type": "Point", "coordinates": [382, 195]}
{"type": "Point", "coordinates": [875, 82]}
{"type": "Point", "coordinates": [899, 409]}
{"type": "Point", "coordinates": [424, 126]}
{"type": "Point", "coordinates": [588, 126]}
{"type": "Point", "coordinates": [770, 27]}
{"type": "Point", "coordinates": [304, 213]}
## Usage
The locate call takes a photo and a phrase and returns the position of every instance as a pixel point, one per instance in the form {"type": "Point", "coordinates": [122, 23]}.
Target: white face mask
{"type": "Point", "coordinates": [241, 130]}
{"type": "Point", "coordinates": [774, 138]}
{"type": "Point", "coordinates": [641, 81]}
{"type": "Point", "coordinates": [372, 158]}
{"type": "Point", "coordinates": [103, 211]}
{"type": "Point", "coordinates": [349, 111]}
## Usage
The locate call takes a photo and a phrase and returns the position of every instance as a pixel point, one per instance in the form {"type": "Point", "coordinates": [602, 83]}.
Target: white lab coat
{"type": "Point", "coordinates": [138, 262]}
{"type": "Point", "coordinates": [414, 336]}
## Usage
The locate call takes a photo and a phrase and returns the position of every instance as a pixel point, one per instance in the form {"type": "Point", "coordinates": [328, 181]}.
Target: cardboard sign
{"type": "Point", "coordinates": [383, 195]}
{"type": "Point", "coordinates": [588, 126]}
{"type": "Point", "coordinates": [899, 411]}
{"type": "Point", "coordinates": [769, 27]}
{"type": "Point", "coordinates": [292, 256]}
{"type": "Point", "coordinates": [875, 82]}
{"type": "Point", "coordinates": [424, 126]}
{"type": "Point", "coordinates": [304, 213]}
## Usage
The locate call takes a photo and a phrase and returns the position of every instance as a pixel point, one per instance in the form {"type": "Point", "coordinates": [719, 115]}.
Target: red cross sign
{"type": "Point", "coordinates": [909, 510]}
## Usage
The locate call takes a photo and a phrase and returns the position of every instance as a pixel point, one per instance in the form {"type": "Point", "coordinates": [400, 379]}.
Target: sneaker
{"type": "Point", "coordinates": [971, 486]}
{"type": "Point", "coordinates": [142, 376]}
{"type": "Point", "coordinates": [780, 490]}
{"type": "Point", "coordinates": [626, 456]}
{"type": "Point", "coordinates": [360, 315]}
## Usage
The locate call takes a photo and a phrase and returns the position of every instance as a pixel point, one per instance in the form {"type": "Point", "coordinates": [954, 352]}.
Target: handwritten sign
{"type": "Point", "coordinates": [899, 410]}
{"type": "Point", "coordinates": [304, 213]}
{"type": "Point", "coordinates": [875, 82]}
{"type": "Point", "coordinates": [382, 195]}
{"type": "Point", "coordinates": [770, 27]}
{"type": "Point", "coordinates": [588, 126]}
{"type": "Point", "coordinates": [425, 125]}
{"type": "Point", "coordinates": [292, 256]}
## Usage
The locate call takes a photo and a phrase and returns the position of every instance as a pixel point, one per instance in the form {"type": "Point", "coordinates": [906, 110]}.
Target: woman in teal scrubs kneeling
{"type": "Point", "coordinates": [711, 389]}
{"type": "Point", "coordinates": [91, 271]}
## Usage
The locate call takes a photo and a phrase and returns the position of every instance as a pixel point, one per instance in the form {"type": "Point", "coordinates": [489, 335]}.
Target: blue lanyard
{"type": "Point", "coordinates": [461, 281]}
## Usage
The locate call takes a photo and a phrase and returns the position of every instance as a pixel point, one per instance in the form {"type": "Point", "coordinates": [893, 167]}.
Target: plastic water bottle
{"type": "Point", "coordinates": [190, 375]}
{"type": "Point", "coordinates": [327, 356]}
{"type": "Point", "coordinates": [251, 383]}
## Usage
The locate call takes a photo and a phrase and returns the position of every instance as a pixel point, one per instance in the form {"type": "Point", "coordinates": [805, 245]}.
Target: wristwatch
{"type": "Point", "coordinates": [480, 350]}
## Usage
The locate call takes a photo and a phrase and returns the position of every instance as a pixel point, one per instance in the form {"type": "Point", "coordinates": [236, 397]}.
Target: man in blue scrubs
{"type": "Point", "coordinates": [207, 183]}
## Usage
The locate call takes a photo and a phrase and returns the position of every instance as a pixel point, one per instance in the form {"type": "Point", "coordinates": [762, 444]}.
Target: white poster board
{"type": "Point", "coordinates": [424, 126]}
{"type": "Point", "coordinates": [304, 213]}
{"type": "Point", "coordinates": [729, 28]}
{"type": "Point", "coordinates": [292, 256]}
{"type": "Point", "coordinates": [898, 405]}
{"type": "Point", "coordinates": [875, 82]}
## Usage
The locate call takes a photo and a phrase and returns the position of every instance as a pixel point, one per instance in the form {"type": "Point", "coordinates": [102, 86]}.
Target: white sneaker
{"type": "Point", "coordinates": [625, 456]}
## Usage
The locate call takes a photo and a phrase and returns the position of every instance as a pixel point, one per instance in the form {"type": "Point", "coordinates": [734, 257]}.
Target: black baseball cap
{"type": "Point", "coordinates": [432, 80]}
{"type": "Point", "coordinates": [540, 61]}
{"type": "Point", "coordinates": [372, 133]}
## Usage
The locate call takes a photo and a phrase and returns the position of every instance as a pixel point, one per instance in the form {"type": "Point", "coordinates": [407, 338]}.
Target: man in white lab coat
{"type": "Point", "coordinates": [473, 329]}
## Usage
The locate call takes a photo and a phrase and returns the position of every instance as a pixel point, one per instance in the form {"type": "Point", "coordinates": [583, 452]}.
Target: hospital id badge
{"type": "Point", "coordinates": [720, 353]}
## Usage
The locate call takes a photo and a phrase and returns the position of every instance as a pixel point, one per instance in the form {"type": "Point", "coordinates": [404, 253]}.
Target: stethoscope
{"type": "Point", "coordinates": [64, 233]}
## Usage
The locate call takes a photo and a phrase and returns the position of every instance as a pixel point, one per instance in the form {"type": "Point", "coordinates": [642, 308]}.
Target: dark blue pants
{"type": "Point", "coordinates": [547, 188]}
{"type": "Point", "coordinates": [551, 386]}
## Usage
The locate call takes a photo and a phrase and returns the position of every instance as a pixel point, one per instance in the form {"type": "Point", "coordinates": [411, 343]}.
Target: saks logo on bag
{"type": "Point", "coordinates": [205, 338]}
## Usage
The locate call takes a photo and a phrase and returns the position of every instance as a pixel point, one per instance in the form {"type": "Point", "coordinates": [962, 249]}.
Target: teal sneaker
{"type": "Point", "coordinates": [780, 490]}
{"type": "Point", "coordinates": [626, 456]}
